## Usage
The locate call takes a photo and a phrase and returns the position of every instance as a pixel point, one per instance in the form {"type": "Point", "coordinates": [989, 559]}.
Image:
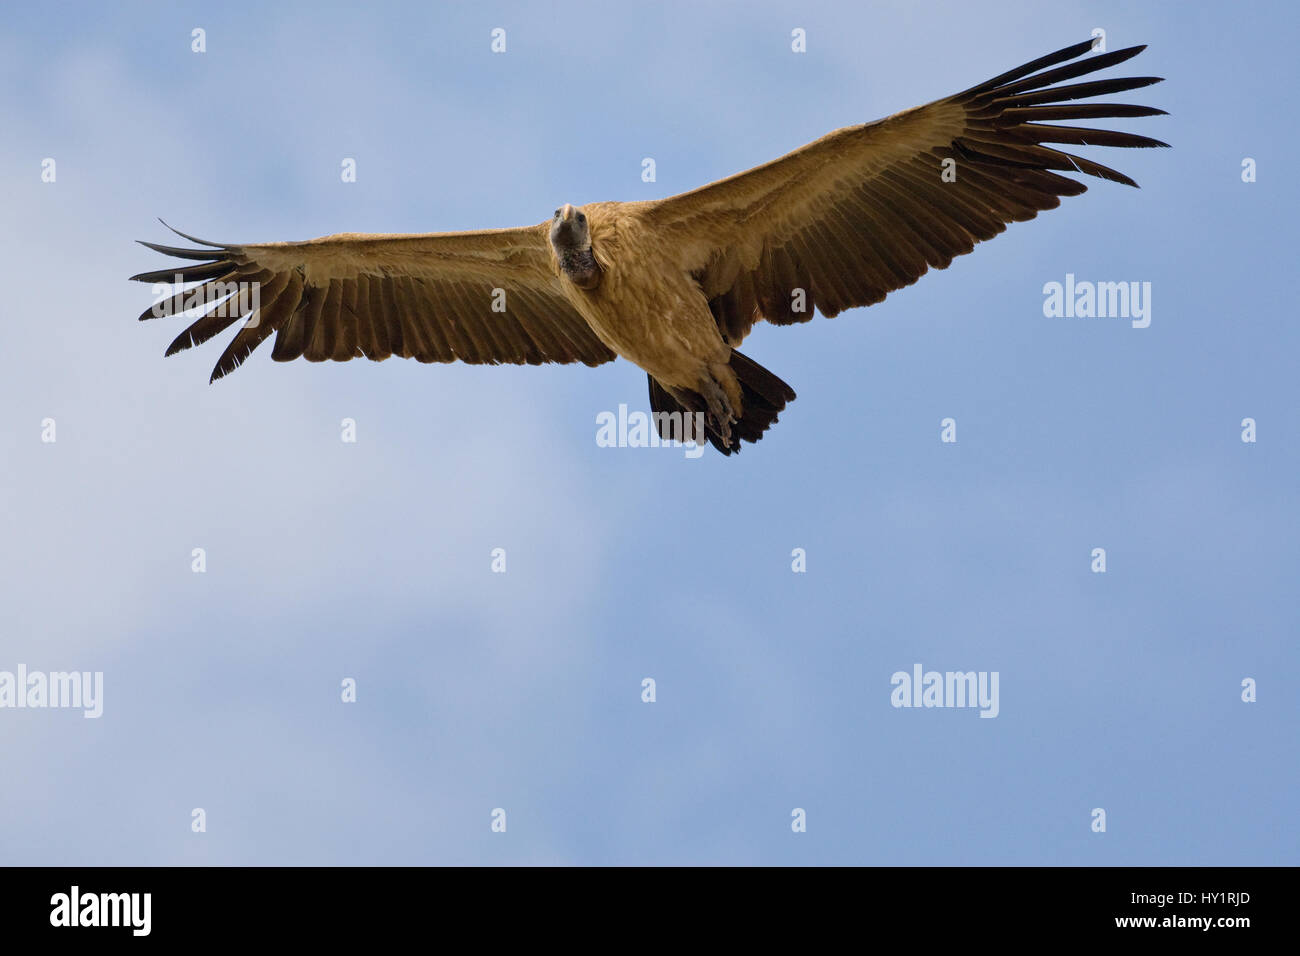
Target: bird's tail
{"type": "Point", "coordinates": [765, 396]}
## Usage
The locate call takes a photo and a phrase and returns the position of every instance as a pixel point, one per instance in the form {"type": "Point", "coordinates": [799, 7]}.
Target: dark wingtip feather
{"type": "Point", "coordinates": [159, 310]}
{"type": "Point", "coordinates": [1060, 56]}
{"type": "Point", "coordinates": [220, 370]}
{"type": "Point", "coordinates": [202, 242]}
{"type": "Point", "coordinates": [1015, 115]}
{"type": "Point", "coordinates": [227, 364]}
{"type": "Point", "coordinates": [1085, 136]}
{"type": "Point", "coordinates": [180, 274]}
{"type": "Point", "coordinates": [179, 344]}
{"type": "Point", "coordinates": [1072, 91]}
{"type": "Point", "coordinates": [150, 276]}
{"type": "Point", "coordinates": [181, 253]}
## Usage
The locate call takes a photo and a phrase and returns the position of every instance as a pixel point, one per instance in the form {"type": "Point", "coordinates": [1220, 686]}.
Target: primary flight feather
{"type": "Point", "coordinates": [674, 285]}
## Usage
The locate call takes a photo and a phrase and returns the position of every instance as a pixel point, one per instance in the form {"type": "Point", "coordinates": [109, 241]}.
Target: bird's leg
{"type": "Point", "coordinates": [721, 412]}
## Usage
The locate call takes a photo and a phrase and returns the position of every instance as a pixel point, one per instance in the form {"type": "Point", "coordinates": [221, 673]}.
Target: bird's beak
{"type": "Point", "coordinates": [567, 212]}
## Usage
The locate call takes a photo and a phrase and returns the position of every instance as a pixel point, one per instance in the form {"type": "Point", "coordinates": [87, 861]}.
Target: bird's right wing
{"type": "Point", "coordinates": [484, 297]}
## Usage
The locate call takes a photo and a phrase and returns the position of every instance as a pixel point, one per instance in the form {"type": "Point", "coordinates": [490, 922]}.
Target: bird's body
{"type": "Point", "coordinates": [654, 315]}
{"type": "Point", "coordinates": [674, 285]}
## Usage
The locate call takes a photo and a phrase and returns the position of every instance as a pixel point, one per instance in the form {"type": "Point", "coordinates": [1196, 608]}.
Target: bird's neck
{"type": "Point", "coordinates": [581, 267]}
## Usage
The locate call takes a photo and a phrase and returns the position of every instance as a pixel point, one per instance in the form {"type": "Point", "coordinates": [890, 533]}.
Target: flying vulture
{"type": "Point", "coordinates": [676, 284]}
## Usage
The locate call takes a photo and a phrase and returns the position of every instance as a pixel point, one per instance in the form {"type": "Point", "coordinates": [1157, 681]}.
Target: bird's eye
{"type": "Point", "coordinates": [557, 214]}
{"type": "Point", "coordinates": [581, 218]}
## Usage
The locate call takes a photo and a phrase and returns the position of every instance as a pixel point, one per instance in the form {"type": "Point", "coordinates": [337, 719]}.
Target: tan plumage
{"type": "Point", "coordinates": [675, 284]}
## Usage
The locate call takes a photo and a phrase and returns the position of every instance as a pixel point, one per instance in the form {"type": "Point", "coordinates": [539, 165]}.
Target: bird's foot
{"type": "Point", "coordinates": [721, 414]}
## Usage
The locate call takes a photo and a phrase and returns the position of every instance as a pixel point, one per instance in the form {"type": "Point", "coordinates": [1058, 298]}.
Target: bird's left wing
{"type": "Point", "coordinates": [868, 209]}
{"type": "Point", "coordinates": [483, 297]}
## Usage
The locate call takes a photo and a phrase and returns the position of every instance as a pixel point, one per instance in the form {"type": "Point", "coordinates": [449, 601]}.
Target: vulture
{"type": "Point", "coordinates": [674, 285]}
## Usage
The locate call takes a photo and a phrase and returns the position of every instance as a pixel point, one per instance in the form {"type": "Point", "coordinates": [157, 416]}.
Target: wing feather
{"type": "Point", "coordinates": [313, 343]}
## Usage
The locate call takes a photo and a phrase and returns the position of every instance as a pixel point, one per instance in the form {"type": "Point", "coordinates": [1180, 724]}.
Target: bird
{"type": "Point", "coordinates": [674, 285]}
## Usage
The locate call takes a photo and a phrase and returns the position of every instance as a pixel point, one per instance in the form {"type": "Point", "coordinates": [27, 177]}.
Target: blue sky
{"type": "Point", "coordinates": [522, 691]}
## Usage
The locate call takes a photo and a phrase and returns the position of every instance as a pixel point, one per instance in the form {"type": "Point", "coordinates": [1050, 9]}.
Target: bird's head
{"type": "Point", "coordinates": [569, 230]}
